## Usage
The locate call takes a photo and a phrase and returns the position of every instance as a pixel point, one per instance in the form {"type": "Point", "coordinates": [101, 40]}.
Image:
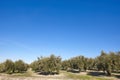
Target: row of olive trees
{"type": "Point", "coordinates": [13, 67]}
{"type": "Point", "coordinates": [107, 62]}
{"type": "Point", "coordinates": [47, 65]}
{"type": "Point", "coordinates": [79, 63]}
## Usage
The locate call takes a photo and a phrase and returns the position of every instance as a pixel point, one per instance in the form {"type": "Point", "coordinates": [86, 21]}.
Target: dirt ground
{"type": "Point", "coordinates": [29, 78]}
{"type": "Point", "coordinates": [61, 76]}
{"type": "Point", "coordinates": [34, 77]}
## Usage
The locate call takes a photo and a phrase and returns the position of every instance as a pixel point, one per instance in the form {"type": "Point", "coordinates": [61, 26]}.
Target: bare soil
{"type": "Point", "coordinates": [61, 76]}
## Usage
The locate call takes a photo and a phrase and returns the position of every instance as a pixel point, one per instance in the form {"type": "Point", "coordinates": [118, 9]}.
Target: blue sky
{"type": "Point", "coordinates": [33, 28]}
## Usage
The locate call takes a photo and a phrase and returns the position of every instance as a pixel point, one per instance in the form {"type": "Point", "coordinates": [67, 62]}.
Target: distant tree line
{"type": "Point", "coordinates": [107, 62]}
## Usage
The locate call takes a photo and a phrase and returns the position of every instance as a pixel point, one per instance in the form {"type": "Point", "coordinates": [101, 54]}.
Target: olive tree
{"type": "Point", "coordinates": [2, 67]}
{"type": "Point", "coordinates": [20, 66]}
{"type": "Point", "coordinates": [9, 66]}
{"type": "Point", "coordinates": [47, 65]}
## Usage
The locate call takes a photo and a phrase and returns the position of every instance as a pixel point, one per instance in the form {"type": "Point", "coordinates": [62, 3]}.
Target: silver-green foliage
{"type": "Point", "coordinates": [49, 65]}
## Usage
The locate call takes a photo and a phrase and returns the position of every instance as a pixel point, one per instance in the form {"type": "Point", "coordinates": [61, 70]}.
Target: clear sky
{"type": "Point", "coordinates": [33, 28]}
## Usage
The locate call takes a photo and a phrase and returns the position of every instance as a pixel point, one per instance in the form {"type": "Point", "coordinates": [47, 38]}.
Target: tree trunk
{"type": "Point", "coordinates": [108, 72]}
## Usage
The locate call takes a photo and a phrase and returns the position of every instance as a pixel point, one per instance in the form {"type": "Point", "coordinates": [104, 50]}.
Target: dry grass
{"type": "Point", "coordinates": [30, 75]}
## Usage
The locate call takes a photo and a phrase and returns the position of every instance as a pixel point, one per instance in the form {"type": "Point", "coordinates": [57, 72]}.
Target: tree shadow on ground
{"type": "Point", "coordinates": [98, 74]}
{"type": "Point", "coordinates": [117, 76]}
{"type": "Point", "coordinates": [73, 71]}
{"type": "Point", "coordinates": [47, 73]}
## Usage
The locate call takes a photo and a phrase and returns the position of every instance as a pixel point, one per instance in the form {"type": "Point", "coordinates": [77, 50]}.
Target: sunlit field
{"type": "Point", "coordinates": [30, 75]}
